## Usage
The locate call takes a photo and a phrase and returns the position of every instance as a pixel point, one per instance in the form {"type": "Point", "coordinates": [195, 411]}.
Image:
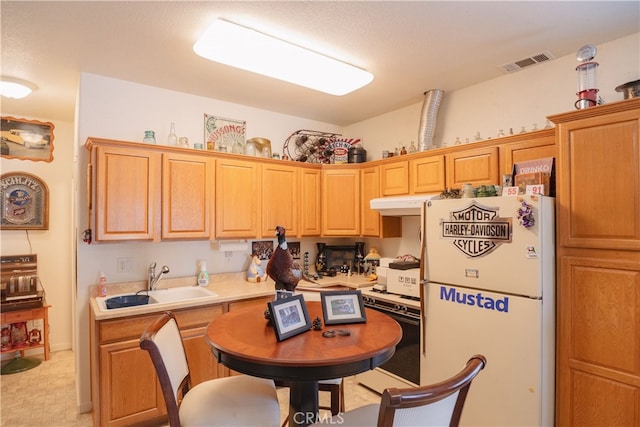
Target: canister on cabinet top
{"type": "Point", "coordinates": [357, 154]}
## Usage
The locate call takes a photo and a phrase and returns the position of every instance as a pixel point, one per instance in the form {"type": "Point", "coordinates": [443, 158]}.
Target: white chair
{"type": "Point", "coordinates": [240, 400]}
{"type": "Point", "coordinates": [437, 404]}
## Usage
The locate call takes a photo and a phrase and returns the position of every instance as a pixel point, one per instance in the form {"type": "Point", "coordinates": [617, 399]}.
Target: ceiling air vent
{"type": "Point", "coordinates": [527, 62]}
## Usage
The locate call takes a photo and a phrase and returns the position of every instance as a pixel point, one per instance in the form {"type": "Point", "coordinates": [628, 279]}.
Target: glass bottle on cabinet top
{"type": "Point", "coordinates": [172, 139]}
{"type": "Point", "coordinates": [183, 142]}
{"type": "Point", "coordinates": [250, 148]}
{"type": "Point", "coordinates": [149, 137]}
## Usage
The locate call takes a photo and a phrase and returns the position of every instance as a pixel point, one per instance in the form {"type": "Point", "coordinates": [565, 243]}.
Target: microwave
{"type": "Point", "coordinates": [404, 282]}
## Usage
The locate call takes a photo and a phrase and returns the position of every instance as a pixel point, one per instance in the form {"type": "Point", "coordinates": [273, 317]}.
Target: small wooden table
{"type": "Point", "coordinates": [25, 315]}
{"type": "Point", "coordinates": [242, 340]}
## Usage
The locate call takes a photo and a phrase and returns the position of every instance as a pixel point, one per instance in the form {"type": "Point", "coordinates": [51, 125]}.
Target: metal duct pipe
{"type": "Point", "coordinates": [428, 118]}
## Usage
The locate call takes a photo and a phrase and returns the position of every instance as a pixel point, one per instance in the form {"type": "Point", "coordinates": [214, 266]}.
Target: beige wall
{"type": "Point", "coordinates": [512, 101]}
{"type": "Point", "coordinates": [56, 262]}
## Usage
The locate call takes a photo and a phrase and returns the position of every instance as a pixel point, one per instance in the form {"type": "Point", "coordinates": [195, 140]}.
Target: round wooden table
{"type": "Point", "coordinates": [242, 340]}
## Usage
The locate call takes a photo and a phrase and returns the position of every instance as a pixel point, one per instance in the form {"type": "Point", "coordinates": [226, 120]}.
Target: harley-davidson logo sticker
{"type": "Point", "coordinates": [476, 230]}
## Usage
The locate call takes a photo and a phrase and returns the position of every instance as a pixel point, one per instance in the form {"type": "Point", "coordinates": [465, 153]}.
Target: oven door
{"type": "Point", "coordinates": [403, 369]}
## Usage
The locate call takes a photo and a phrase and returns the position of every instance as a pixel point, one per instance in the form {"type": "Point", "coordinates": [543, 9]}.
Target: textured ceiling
{"type": "Point", "coordinates": [410, 47]}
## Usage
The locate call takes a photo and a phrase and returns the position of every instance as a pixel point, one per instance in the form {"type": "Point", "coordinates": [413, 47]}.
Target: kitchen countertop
{"type": "Point", "coordinates": [228, 287]}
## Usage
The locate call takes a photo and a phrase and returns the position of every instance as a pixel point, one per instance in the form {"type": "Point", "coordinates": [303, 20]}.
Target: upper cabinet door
{"type": "Point", "coordinates": [310, 224]}
{"type": "Point", "coordinates": [370, 180]}
{"type": "Point", "coordinates": [426, 175]}
{"type": "Point", "coordinates": [127, 192]}
{"type": "Point", "coordinates": [394, 178]}
{"type": "Point", "coordinates": [187, 194]}
{"type": "Point", "coordinates": [599, 183]}
{"type": "Point", "coordinates": [476, 166]}
{"type": "Point", "coordinates": [238, 198]}
{"type": "Point", "coordinates": [541, 145]}
{"type": "Point", "coordinates": [279, 199]}
{"type": "Point", "coordinates": [340, 201]}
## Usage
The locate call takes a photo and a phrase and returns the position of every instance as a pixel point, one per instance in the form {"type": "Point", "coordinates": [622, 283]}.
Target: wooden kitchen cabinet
{"type": "Point", "coordinates": [340, 200]}
{"type": "Point", "coordinates": [372, 223]}
{"type": "Point", "coordinates": [238, 198]}
{"type": "Point", "coordinates": [138, 192]}
{"type": "Point", "coordinates": [535, 145]}
{"type": "Point", "coordinates": [598, 262]}
{"type": "Point", "coordinates": [310, 203]}
{"type": "Point", "coordinates": [477, 166]}
{"type": "Point", "coordinates": [280, 198]}
{"type": "Point", "coordinates": [187, 196]}
{"type": "Point", "coordinates": [124, 385]}
{"type": "Point", "coordinates": [394, 178]}
{"type": "Point", "coordinates": [126, 194]}
{"type": "Point", "coordinates": [426, 174]}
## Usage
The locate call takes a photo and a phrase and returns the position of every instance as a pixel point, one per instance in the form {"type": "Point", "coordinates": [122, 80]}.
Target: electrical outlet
{"type": "Point", "coordinates": [124, 265]}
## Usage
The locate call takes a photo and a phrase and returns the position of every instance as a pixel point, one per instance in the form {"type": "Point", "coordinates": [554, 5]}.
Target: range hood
{"type": "Point", "coordinates": [401, 205]}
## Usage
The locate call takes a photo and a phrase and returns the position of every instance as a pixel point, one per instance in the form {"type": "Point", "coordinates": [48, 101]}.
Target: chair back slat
{"type": "Point", "coordinates": [434, 404]}
{"type": "Point", "coordinates": [163, 341]}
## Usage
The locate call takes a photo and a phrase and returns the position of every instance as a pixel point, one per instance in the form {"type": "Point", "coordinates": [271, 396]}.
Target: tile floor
{"type": "Point", "coordinates": [51, 386]}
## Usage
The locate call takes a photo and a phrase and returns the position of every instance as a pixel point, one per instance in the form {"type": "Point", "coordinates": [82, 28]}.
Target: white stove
{"type": "Point", "coordinates": [383, 295]}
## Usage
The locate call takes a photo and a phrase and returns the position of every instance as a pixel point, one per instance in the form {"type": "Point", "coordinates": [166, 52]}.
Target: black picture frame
{"type": "Point", "coordinates": [342, 307]}
{"type": "Point", "coordinates": [337, 256]}
{"type": "Point", "coordinates": [289, 316]}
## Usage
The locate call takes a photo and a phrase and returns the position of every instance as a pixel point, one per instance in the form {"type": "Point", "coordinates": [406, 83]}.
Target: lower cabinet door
{"type": "Point", "coordinates": [130, 392]}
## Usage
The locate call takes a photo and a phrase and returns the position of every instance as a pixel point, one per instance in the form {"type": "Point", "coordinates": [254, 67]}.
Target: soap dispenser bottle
{"type": "Point", "coordinates": [102, 285]}
{"type": "Point", "coordinates": [203, 275]}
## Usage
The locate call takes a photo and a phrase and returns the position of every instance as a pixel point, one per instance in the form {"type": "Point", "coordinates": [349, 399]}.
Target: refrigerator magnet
{"type": "Point", "coordinates": [532, 252]}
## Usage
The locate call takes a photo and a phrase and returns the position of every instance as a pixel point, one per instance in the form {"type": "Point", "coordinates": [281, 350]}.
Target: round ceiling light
{"type": "Point", "coordinates": [15, 88]}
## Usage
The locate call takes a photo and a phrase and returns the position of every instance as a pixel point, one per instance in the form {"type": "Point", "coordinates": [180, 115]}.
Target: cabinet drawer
{"type": "Point", "coordinates": [22, 315]}
{"type": "Point", "coordinates": [133, 327]}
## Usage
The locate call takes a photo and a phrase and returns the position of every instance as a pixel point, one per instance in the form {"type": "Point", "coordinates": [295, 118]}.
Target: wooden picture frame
{"type": "Point", "coordinates": [263, 249]}
{"type": "Point", "coordinates": [342, 307]}
{"type": "Point", "coordinates": [25, 202]}
{"type": "Point", "coordinates": [289, 316]}
{"type": "Point", "coordinates": [24, 139]}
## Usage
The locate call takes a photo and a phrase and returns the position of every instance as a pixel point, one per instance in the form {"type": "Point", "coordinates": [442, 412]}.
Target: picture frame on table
{"type": "Point", "coordinates": [282, 294]}
{"type": "Point", "coordinates": [342, 307]}
{"type": "Point", "coordinates": [289, 316]}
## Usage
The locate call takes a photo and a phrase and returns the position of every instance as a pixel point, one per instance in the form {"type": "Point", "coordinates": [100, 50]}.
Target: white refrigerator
{"type": "Point", "coordinates": [490, 289]}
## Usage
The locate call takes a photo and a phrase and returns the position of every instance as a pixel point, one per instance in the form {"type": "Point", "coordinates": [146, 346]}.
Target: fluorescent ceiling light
{"type": "Point", "coordinates": [250, 50]}
{"type": "Point", "coordinates": [15, 88]}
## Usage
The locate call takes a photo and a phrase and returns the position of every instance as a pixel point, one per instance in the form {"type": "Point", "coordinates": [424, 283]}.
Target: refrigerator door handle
{"type": "Point", "coordinates": [423, 281]}
{"type": "Point", "coordinates": [423, 314]}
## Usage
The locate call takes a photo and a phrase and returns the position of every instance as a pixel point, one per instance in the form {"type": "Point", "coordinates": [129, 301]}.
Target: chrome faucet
{"type": "Point", "coordinates": [153, 280]}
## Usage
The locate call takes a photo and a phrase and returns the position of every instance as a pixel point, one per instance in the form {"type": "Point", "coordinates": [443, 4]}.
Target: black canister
{"type": "Point", "coordinates": [357, 154]}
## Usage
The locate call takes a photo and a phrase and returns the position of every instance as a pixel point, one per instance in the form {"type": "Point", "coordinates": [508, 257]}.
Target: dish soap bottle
{"type": "Point", "coordinates": [102, 285]}
{"type": "Point", "coordinates": [203, 276]}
